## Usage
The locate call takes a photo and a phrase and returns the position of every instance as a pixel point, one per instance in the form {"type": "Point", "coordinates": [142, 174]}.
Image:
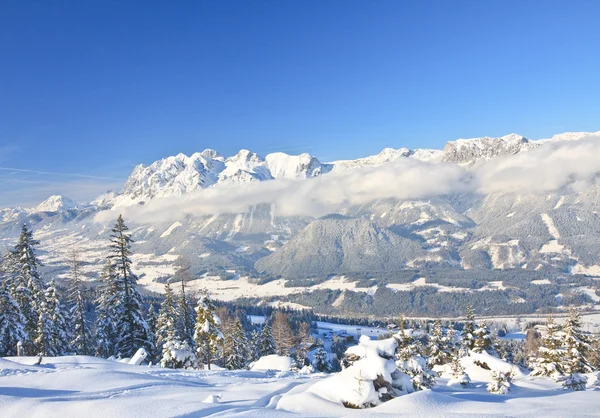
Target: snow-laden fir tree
{"type": "Point", "coordinates": [321, 361]}
{"type": "Point", "coordinates": [459, 376]}
{"type": "Point", "coordinates": [176, 354]}
{"type": "Point", "coordinates": [12, 322]}
{"type": "Point", "coordinates": [483, 339]}
{"type": "Point", "coordinates": [28, 287]}
{"type": "Point", "coordinates": [467, 336]}
{"type": "Point", "coordinates": [185, 307]}
{"type": "Point", "coordinates": [207, 332]}
{"type": "Point", "coordinates": [282, 333]}
{"type": "Point", "coordinates": [132, 329]}
{"type": "Point", "coordinates": [305, 342]}
{"type": "Point", "coordinates": [500, 383]}
{"type": "Point", "coordinates": [43, 332]}
{"type": "Point", "coordinates": [267, 343]}
{"type": "Point", "coordinates": [410, 360]}
{"type": "Point", "coordinates": [152, 318]}
{"type": "Point", "coordinates": [81, 341]}
{"type": "Point", "coordinates": [437, 346]}
{"type": "Point", "coordinates": [168, 318]}
{"type": "Point", "coordinates": [254, 342]}
{"type": "Point", "coordinates": [106, 308]}
{"type": "Point", "coordinates": [60, 334]}
{"type": "Point", "coordinates": [550, 353]}
{"type": "Point", "coordinates": [577, 345]}
{"type": "Point", "coordinates": [235, 347]}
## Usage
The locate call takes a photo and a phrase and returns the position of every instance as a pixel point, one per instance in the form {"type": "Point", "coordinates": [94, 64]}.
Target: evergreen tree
{"type": "Point", "coordinates": [409, 359]}
{"type": "Point", "coordinates": [305, 341]}
{"type": "Point", "coordinates": [60, 336]}
{"type": "Point", "coordinates": [255, 340]}
{"type": "Point", "coordinates": [12, 322]}
{"type": "Point", "coordinates": [207, 333]}
{"type": "Point", "coordinates": [320, 362]}
{"type": "Point", "coordinates": [267, 343]}
{"type": "Point", "coordinates": [152, 319]}
{"type": "Point", "coordinates": [483, 339]}
{"type": "Point", "coordinates": [549, 360]}
{"type": "Point", "coordinates": [82, 336]}
{"type": "Point", "coordinates": [468, 337]}
{"type": "Point", "coordinates": [459, 376]}
{"type": "Point", "coordinates": [28, 290]}
{"type": "Point", "coordinates": [235, 346]}
{"type": "Point", "coordinates": [133, 331]}
{"type": "Point", "coordinates": [187, 315]}
{"type": "Point", "coordinates": [106, 304]}
{"type": "Point", "coordinates": [437, 346]}
{"type": "Point", "coordinates": [577, 346]}
{"type": "Point", "coordinates": [167, 319]}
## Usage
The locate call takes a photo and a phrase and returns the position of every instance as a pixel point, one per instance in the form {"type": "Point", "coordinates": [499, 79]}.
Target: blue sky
{"type": "Point", "coordinates": [91, 88]}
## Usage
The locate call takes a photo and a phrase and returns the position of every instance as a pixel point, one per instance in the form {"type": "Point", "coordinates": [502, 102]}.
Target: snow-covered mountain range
{"type": "Point", "coordinates": [555, 231]}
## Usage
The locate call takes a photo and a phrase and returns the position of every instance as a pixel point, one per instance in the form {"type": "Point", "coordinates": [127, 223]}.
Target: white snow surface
{"type": "Point", "coordinates": [273, 362]}
{"type": "Point", "coordinates": [76, 386]}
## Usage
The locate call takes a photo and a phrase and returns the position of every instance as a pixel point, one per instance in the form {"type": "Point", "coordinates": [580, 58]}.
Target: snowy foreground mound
{"type": "Point", "coordinates": [78, 386]}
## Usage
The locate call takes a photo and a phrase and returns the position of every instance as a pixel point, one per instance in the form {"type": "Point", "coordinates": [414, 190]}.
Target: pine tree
{"type": "Point", "coordinates": [28, 290]}
{"type": "Point", "coordinates": [321, 363]}
{"type": "Point", "coordinates": [82, 336]}
{"type": "Point", "coordinates": [167, 319]}
{"type": "Point", "coordinates": [106, 303]}
{"type": "Point", "coordinates": [12, 322]}
{"type": "Point", "coordinates": [152, 319]}
{"type": "Point", "coordinates": [207, 333]}
{"type": "Point", "coordinates": [282, 333]}
{"type": "Point", "coordinates": [60, 336]}
{"type": "Point", "coordinates": [549, 360]}
{"type": "Point", "coordinates": [409, 359]}
{"type": "Point", "coordinates": [437, 347]}
{"type": "Point", "coordinates": [304, 344]}
{"type": "Point", "coordinates": [267, 343]}
{"type": "Point", "coordinates": [187, 315]}
{"type": "Point", "coordinates": [133, 331]}
{"type": "Point", "coordinates": [468, 337]}
{"type": "Point", "coordinates": [483, 339]}
{"type": "Point", "coordinates": [235, 346]}
{"type": "Point", "coordinates": [255, 340]}
{"type": "Point", "coordinates": [500, 384]}
{"type": "Point", "coordinates": [459, 376]}
{"type": "Point", "coordinates": [576, 345]}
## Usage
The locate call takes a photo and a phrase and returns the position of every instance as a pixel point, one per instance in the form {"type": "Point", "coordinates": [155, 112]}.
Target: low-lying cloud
{"type": "Point", "coordinates": [573, 165]}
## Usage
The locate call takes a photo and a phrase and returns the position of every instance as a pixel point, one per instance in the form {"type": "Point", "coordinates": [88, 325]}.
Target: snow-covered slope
{"type": "Point", "coordinates": [56, 204]}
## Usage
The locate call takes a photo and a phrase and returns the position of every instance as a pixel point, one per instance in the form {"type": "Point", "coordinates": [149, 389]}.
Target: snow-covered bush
{"type": "Point", "coordinates": [501, 383]}
{"type": "Point", "coordinates": [459, 376]}
{"type": "Point", "coordinates": [573, 381]}
{"type": "Point", "coordinates": [178, 355]}
{"type": "Point", "coordinates": [273, 362]}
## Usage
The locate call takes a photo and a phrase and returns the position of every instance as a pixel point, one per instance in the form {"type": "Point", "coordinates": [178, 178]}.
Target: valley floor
{"type": "Point", "coordinates": [79, 386]}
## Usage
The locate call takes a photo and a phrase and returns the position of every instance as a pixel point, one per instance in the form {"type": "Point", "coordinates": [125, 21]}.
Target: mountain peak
{"type": "Point", "coordinates": [56, 203]}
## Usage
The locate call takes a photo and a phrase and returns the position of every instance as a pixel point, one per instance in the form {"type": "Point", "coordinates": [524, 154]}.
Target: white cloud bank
{"type": "Point", "coordinates": [555, 165]}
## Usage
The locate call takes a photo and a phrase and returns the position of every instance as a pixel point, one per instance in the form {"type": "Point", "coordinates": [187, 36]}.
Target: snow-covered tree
{"type": "Point", "coordinates": [577, 345]}
{"type": "Point", "coordinates": [168, 318]}
{"type": "Point", "coordinates": [106, 304]}
{"type": "Point", "coordinates": [235, 346]}
{"type": "Point", "coordinates": [133, 331]}
{"type": "Point", "coordinates": [321, 361]}
{"type": "Point", "coordinates": [267, 343]}
{"type": "Point", "coordinates": [410, 360]}
{"type": "Point", "coordinates": [549, 360]}
{"type": "Point", "coordinates": [467, 336]}
{"type": "Point", "coordinates": [459, 376]}
{"type": "Point", "coordinates": [305, 341]}
{"type": "Point", "coordinates": [254, 342]}
{"type": "Point", "coordinates": [82, 330]}
{"type": "Point", "coordinates": [152, 319]}
{"type": "Point", "coordinates": [483, 339]}
{"type": "Point", "coordinates": [12, 322]}
{"type": "Point", "coordinates": [177, 355]}
{"type": "Point", "coordinates": [207, 333]}
{"type": "Point", "coordinates": [500, 384]}
{"type": "Point", "coordinates": [28, 290]}
{"type": "Point", "coordinates": [60, 335]}
{"type": "Point", "coordinates": [185, 308]}
{"type": "Point", "coordinates": [437, 346]}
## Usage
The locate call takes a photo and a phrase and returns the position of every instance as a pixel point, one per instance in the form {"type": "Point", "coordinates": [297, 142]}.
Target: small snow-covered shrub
{"type": "Point", "coordinates": [178, 355]}
{"type": "Point", "coordinates": [459, 376]}
{"type": "Point", "coordinates": [501, 383]}
{"type": "Point", "coordinates": [573, 381]}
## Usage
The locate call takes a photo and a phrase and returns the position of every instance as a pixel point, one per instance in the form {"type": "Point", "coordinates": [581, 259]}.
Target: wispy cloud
{"type": "Point", "coordinates": [7, 150]}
